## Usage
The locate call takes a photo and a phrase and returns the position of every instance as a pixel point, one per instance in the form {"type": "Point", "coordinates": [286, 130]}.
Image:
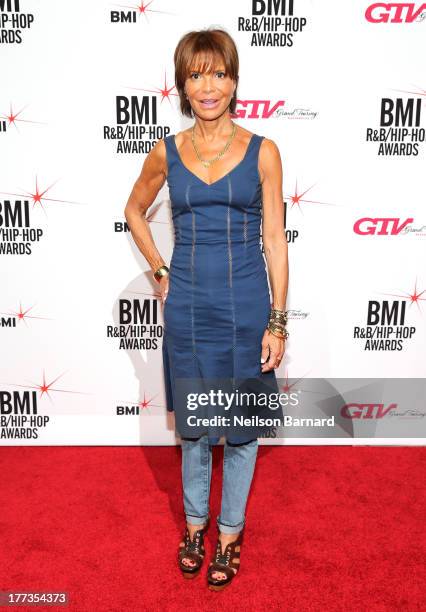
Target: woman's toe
{"type": "Point", "coordinates": [188, 562]}
{"type": "Point", "coordinates": [219, 575]}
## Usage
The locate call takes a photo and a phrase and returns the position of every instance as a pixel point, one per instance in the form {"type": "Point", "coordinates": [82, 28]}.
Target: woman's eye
{"type": "Point", "coordinates": [193, 74]}
{"type": "Point", "coordinates": [220, 73]}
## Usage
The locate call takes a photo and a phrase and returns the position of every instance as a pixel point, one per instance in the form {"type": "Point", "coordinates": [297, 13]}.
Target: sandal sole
{"type": "Point", "coordinates": [190, 575]}
{"type": "Point", "coordinates": [218, 587]}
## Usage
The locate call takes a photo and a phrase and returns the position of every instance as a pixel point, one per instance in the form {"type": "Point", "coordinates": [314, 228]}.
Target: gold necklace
{"type": "Point", "coordinates": [208, 162]}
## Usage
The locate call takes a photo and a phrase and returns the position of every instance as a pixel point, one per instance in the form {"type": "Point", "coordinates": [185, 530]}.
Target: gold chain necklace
{"type": "Point", "coordinates": [208, 162]}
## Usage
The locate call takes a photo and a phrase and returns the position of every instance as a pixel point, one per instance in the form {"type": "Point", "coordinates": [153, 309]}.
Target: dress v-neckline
{"type": "Point", "coordinates": [222, 177]}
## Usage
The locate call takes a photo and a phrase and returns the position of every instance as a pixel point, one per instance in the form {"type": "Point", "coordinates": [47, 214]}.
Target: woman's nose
{"type": "Point", "coordinates": [208, 84]}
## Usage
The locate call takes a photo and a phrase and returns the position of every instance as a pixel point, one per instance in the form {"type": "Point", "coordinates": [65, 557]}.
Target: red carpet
{"type": "Point", "coordinates": [328, 528]}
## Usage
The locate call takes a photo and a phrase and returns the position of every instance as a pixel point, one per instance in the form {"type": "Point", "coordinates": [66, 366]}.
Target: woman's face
{"type": "Point", "coordinates": [209, 93]}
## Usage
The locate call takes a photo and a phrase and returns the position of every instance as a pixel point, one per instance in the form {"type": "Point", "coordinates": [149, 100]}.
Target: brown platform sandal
{"type": "Point", "coordinates": [227, 562]}
{"type": "Point", "coordinates": [193, 550]}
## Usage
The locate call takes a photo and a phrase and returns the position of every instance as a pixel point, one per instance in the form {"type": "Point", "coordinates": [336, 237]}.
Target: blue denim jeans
{"type": "Point", "coordinates": [238, 467]}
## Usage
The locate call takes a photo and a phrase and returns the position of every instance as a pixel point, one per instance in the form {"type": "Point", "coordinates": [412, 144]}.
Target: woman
{"type": "Point", "coordinates": [218, 320]}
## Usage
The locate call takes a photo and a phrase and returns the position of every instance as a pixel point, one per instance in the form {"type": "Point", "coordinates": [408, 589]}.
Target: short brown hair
{"type": "Point", "coordinates": [208, 43]}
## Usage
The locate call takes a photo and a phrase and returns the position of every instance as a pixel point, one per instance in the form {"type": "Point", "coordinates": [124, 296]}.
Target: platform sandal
{"type": "Point", "coordinates": [225, 562]}
{"type": "Point", "coordinates": [192, 549]}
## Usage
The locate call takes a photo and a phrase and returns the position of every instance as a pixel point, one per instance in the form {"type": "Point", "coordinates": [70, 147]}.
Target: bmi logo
{"type": "Point", "coordinates": [19, 408]}
{"type": "Point", "coordinates": [386, 327]}
{"type": "Point", "coordinates": [138, 326]}
{"type": "Point", "coordinates": [143, 406]}
{"type": "Point", "coordinates": [18, 232]}
{"type": "Point", "coordinates": [136, 128]}
{"type": "Point", "coordinates": [399, 132]}
{"type": "Point", "coordinates": [13, 22]}
{"type": "Point", "coordinates": [272, 23]}
{"type": "Point", "coordinates": [134, 13]}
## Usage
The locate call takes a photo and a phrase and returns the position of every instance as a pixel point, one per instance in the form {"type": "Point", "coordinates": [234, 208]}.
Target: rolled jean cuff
{"type": "Point", "coordinates": [196, 520]}
{"type": "Point", "coordinates": [229, 529]}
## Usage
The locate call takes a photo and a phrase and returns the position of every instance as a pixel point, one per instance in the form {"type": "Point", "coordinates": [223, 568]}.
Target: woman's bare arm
{"type": "Point", "coordinates": [273, 233]}
{"type": "Point", "coordinates": [274, 243]}
{"type": "Point", "coordinates": [144, 192]}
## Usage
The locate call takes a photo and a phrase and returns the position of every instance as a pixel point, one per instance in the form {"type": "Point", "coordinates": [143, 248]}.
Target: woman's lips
{"type": "Point", "coordinates": [209, 103]}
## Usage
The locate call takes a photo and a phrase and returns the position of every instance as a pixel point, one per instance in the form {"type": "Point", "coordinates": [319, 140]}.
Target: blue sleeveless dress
{"type": "Point", "coordinates": [218, 303]}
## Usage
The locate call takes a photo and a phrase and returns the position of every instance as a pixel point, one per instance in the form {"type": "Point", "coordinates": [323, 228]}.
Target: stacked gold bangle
{"type": "Point", "coordinates": [277, 323]}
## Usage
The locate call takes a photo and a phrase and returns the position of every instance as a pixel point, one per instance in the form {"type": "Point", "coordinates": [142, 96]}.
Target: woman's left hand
{"type": "Point", "coordinates": [272, 347]}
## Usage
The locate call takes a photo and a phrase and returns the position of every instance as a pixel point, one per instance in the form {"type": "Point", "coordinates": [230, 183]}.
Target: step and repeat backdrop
{"type": "Point", "coordinates": [87, 89]}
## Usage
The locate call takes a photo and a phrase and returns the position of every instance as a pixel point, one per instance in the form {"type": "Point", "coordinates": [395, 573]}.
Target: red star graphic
{"type": "Point", "coordinates": [13, 117]}
{"type": "Point", "coordinates": [422, 92]}
{"type": "Point", "coordinates": [145, 403]}
{"type": "Point", "coordinates": [153, 210]}
{"type": "Point", "coordinates": [297, 198]}
{"type": "Point", "coordinates": [142, 8]}
{"type": "Point", "coordinates": [165, 91]}
{"type": "Point", "coordinates": [39, 196]}
{"type": "Point", "coordinates": [46, 387]}
{"type": "Point", "coordinates": [286, 387]}
{"type": "Point", "coordinates": [22, 315]}
{"type": "Point", "coordinates": [414, 297]}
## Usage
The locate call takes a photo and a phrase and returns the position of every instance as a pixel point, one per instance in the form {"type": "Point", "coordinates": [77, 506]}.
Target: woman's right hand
{"type": "Point", "coordinates": [164, 288]}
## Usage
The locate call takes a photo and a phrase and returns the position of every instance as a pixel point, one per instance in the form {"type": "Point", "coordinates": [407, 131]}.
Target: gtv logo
{"type": "Point", "coordinates": [381, 226]}
{"type": "Point", "coordinates": [365, 411]}
{"type": "Point", "coordinates": [256, 109]}
{"type": "Point", "coordinates": [394, 12]}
